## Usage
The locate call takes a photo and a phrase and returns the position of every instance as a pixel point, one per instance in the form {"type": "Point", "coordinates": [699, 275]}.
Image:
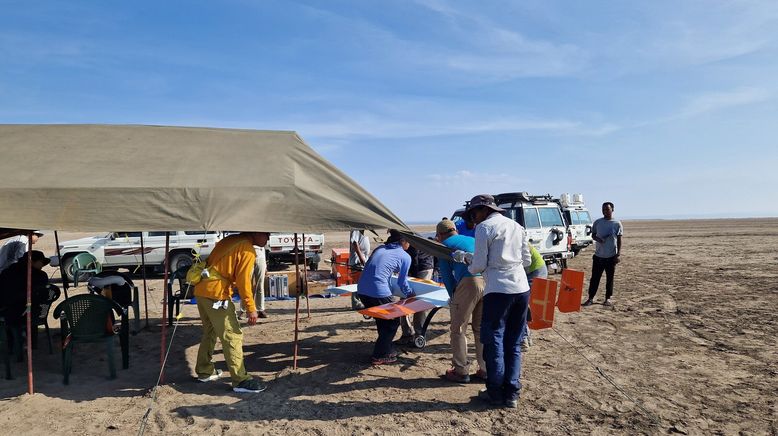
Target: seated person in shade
{"type": "Point", "coordinates": [13, 283]}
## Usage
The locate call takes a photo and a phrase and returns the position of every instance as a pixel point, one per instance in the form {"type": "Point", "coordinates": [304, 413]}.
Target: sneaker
{"type": "Point", "coordinates": [388, 360]}
{"type": "Point", "coordinates": [262, 314]}
{"type": "Point", "coordinates": [607, 302]}
{"type": "Point", "coordinates": [215, 376]}
{"type": "Point", "coordinates": [512, 404]}
{"type": "Point", "coordinates": [588, 302]}
{"type": "Point", "coordinates": [484, 395]}
{"type": "Point", "coordinates": [249, 386]}
{"type": "Point", "coordinates": [479, 375]}
{"type": "Point", "coordinates": [451, 375]}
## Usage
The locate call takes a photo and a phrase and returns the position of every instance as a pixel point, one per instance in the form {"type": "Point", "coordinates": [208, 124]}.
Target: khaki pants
{"type": "Point", "coordinates": [414, 327]}
{"type": "Point", "coordinates": [258, 278]}
{"type": "Point", "coordinates": [466, 305]}
{"type": "Point", "coordinates": [221, 324]}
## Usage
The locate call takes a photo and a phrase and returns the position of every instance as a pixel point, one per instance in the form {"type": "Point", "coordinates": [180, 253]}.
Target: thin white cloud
{"type": "Point", "coordinates": [376, 126]}
{"type": "Point", "coordinates": [715, 101]}
{"type": "Point", "coordinates": [470, 179]}
{"type": "Point", "coordinates": [481, 47]}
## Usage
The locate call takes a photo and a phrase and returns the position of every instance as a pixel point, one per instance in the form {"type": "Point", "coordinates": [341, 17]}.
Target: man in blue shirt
{"type": "Point", "coordinates": [375, 289]}
{"type": "Point", "coordinates": [606, 233]}
{"type": "Point", "coordinates": [466, 291]}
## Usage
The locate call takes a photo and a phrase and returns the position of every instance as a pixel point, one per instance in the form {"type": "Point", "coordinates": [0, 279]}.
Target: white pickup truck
{"type": "Point", "coordinates": [123, 249]}
{"type": "Point", "coordinates": [280, 248]}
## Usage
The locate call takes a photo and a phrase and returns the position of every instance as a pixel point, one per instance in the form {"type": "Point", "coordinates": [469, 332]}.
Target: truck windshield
{"type": "Point", "coordinates": [550, 217]}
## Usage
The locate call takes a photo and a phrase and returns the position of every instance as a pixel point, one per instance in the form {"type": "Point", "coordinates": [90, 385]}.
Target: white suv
{"type": "Point", "coordinates": [542, 219]}
{"type": "Point", "coordinates": [579, 220]}
{"type": "Point", "coordinates": [123, 249]}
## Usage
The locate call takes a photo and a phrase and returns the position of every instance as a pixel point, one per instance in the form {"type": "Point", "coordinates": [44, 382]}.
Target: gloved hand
{"type": "Point", "coordinates": [462, 257]}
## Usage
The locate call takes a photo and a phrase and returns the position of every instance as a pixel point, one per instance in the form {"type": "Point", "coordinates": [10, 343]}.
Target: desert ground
{"type": "Point", "coordinates": [689, 348]}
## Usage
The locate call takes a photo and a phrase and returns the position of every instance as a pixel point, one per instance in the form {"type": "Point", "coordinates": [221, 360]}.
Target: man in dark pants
{"type": "Point", "coordinates": [374, 289]}
{"type": "Point", "coordinates": [501, 253]}
{"type": "Point", "coordinates": [606, 233]}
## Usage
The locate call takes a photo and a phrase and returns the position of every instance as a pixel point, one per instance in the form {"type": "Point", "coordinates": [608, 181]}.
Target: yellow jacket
{"type": "Point", "coordinates": [234, 258]}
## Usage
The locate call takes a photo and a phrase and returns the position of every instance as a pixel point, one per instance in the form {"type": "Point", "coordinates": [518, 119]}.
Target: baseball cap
{"type": "Point", "coordinates": [445, 226]}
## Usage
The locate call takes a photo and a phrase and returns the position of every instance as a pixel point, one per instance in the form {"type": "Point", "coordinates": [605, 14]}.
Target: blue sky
{"type": "Point", "coordinates": [666, 108]}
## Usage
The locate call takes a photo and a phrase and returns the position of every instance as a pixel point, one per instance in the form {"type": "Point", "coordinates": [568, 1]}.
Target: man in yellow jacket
{"type": "Point", "coordinates": [230, 264]}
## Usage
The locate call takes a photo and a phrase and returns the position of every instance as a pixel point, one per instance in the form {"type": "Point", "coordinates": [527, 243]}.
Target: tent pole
{"type": "Point", "coordinates": [297, 299]}
{"type": "Point", "coordinates": [61, 269]}
{"type": "Point", "coordinates": [30, 388]}
{"type": "Point", "coordinates": [164, 310]}
{"type": "Point", "coordinates": [143, 274]}
{"type": "Point", "coordinates": [305, 280]}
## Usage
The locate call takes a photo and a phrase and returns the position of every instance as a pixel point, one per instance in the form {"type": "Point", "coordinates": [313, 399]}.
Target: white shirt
{"type": "Point", "coordinates": [13, 249]}
{"type": "Point", "coordinates": [501, 253]}
{"type": "Point", "coordinates": [364, 245]}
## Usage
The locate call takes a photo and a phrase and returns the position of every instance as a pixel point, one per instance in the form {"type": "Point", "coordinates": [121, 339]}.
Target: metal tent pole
{"type": "Point", "coordinates": [164, 310]}
{"type": "Point", "coordinates": [143, 274]}
{"type": "Point", "coordinates": [61, 268]}
{"type": "Point", "coordinates": [297, 300]}
{"type": "Point", "coordinates": [30, 388]}
{"type": "Point", "coordinates": [305, 281]}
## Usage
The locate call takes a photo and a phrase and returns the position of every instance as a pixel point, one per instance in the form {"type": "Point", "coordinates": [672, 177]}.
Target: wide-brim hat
{"type": "Point", "coordinates": [482, 200]}
{"type": "Point", "coordinates": [37, 256]}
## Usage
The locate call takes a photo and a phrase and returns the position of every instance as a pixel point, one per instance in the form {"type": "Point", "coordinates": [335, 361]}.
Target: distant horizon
{"type": "Point", "coordinates": [700, 217]}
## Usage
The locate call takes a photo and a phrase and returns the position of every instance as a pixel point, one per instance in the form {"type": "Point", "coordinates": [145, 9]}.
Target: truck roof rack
{"type": "Point", "coordinates": [515, 197]}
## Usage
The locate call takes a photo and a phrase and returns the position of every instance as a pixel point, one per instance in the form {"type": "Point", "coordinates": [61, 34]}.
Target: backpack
{"type": "Point", "coordinates": [200, 269]}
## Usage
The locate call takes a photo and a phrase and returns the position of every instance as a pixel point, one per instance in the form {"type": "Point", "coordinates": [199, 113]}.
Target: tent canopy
{"type": "Point", "coordinates": [133, 178]}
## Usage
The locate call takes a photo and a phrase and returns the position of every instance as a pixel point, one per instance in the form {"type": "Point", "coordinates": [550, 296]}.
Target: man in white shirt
{"type": "Point", "coordinates": [501, 253]}
{"type": "Point", "coordinates": [15, 248]}
{"type": "Point", "coordinates": [359, 251]}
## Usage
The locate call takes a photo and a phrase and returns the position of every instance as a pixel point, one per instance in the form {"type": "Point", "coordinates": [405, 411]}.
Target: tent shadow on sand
{"type": "Point", "coordinates": [336, 368]}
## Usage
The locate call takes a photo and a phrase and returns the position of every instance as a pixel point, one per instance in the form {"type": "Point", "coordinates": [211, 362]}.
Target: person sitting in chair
{"type": "Point", "coordinates": [13, 282]}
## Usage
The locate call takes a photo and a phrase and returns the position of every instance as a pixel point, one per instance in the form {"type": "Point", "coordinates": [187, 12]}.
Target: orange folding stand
{"type": "Point", "coordinates": [340, 269]}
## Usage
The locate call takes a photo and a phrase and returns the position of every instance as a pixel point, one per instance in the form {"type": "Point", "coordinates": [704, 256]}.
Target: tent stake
{"type": "Point", "coordinates": [297, 299]}
{"type": "Point", "coordinates": [30, 388]}
{"type": "Point", "coordinates": [61, 268]}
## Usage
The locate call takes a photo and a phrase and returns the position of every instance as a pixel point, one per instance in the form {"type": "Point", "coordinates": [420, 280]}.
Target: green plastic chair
{"type": "Point", "coordinates": [85, 263]}
{"type": "Point", "coordinates": [87, 318]}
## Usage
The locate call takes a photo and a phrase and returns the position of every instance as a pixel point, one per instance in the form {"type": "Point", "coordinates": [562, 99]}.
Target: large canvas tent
{"type": "Point", "coordinates": [135, 178]}
{"type": "Point", "coordinates": [104, 177]}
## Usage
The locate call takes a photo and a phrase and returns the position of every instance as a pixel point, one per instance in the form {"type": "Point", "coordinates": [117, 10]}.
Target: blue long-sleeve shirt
{"type": "Point", "coordinates": [385, 261]}
{"type": "Point", "coordinates": [452, 272]}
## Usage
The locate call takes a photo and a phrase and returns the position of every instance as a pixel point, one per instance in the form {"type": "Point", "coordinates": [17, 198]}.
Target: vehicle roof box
{"type": "Point", "coordinates": [512, 197]}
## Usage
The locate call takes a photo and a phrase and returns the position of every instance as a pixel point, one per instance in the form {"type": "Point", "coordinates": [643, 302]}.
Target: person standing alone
{"type": "Point", "coordinates": [606, 233]}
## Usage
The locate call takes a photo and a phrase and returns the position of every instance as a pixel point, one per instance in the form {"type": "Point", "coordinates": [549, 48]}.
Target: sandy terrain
{"type": "Point", "coordinates": [692, 338]}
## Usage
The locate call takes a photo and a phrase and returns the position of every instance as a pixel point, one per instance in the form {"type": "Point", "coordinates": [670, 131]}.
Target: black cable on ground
{"type": "Point", "coordinates": [648, 414]}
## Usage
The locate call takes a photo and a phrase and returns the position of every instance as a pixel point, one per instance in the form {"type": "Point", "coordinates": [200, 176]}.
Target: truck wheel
{"type": "Point", "coordinates": [67, 266]}
{"type": "Point", "coordinates": [180, 260]}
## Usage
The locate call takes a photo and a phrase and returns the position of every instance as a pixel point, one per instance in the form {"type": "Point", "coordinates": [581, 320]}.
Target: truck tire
{"type": "Point", "coordinates": [179, 260]}
{"type": "Point", "coordinates": [67, 267]}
